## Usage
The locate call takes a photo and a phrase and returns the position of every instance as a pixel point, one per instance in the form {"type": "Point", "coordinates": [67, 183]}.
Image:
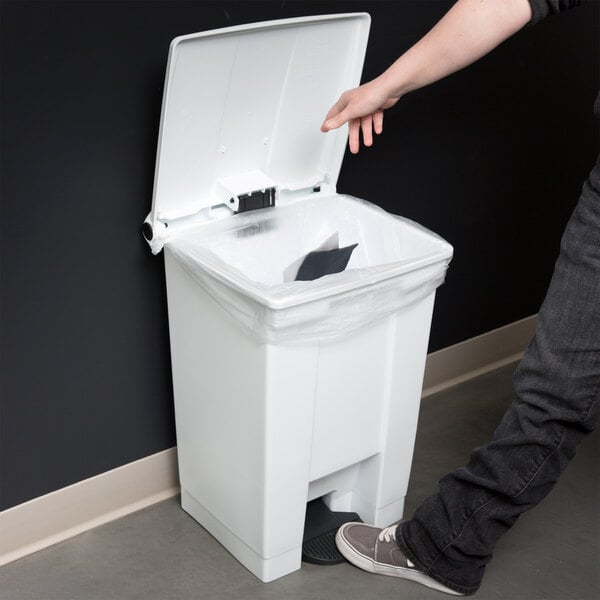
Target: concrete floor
{"type": "Point", "coordinates": [553, 552]}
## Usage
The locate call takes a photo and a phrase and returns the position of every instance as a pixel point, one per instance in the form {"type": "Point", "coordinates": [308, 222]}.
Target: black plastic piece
{"type": "Point", "coordinates": [258, 199]}
{"type": "Point", "coordinates": [324, 262]}
{"type": "Point", "coordinates": [320, 527]}
{"type": "Point", "coordinates": [147, 231]}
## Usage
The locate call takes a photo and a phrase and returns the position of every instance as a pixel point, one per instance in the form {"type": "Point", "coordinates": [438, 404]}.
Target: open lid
{"type": "Point", "coordinates": [242, 108]}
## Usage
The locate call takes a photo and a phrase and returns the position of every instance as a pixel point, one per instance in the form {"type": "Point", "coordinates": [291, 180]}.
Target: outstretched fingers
{"type": "Point", "coordinates": [363, 118]}
{"type": "Point", "coordinates": [366, 126]}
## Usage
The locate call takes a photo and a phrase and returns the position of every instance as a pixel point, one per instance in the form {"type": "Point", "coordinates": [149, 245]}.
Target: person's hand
{"type": "Point", "coordinates": [468, 31]}
{"type": "Point", "coordinates": [362, 108]}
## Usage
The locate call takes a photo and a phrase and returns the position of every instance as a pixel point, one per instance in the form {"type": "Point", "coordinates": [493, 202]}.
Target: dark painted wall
{"type": "Point", "coordinates": [492, 159]}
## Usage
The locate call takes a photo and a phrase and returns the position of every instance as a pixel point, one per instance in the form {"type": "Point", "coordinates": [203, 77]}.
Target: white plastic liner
{"type": "Point", "coordinates": [240, 262]}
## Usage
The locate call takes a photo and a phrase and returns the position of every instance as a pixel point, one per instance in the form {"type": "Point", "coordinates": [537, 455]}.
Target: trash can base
{"type": "Point", "coordinates": [266, 569]}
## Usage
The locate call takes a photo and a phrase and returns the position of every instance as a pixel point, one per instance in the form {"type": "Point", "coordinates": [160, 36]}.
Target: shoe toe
{"type": "Point", "coordinates": [362, 538]}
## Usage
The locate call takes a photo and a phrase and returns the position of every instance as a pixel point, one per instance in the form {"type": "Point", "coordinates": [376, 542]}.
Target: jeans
{"type": "Point", "coordinates": [452, 534]}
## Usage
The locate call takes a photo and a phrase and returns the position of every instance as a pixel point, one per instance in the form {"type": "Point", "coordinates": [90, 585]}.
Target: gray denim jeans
{"type": "Point", "coordinates": [452, 534]}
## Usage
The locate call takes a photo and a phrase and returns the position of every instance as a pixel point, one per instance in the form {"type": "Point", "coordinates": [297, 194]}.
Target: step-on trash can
{"type": "Point", "coordinates": [285, 391]}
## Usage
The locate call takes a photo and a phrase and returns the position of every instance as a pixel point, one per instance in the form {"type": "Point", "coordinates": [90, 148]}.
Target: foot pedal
{"type": "Point", "coordinates": [320, 527]}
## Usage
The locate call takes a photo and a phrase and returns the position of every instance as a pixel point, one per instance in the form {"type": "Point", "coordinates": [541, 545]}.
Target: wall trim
{"type": "Point", "coordinates": [473, 357]}
{"type": "Point", "coordinates": [54, 517]}
{"type": "Point", "coordinates": [57, 516]}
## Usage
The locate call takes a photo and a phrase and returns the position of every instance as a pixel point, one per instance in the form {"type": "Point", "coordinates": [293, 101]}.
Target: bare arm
{"type": "Point", "coordinates": [468, 31]}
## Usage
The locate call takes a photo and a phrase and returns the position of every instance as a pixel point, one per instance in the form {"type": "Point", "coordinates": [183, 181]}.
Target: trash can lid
{"type": "Point", "coordinates": [242, 106]}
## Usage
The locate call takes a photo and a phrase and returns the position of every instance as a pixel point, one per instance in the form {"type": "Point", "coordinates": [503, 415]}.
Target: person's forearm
{"type": "Point", "coordinates": [468, 31]}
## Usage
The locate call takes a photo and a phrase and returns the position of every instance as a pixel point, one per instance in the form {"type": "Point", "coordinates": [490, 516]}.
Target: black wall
{"type": "Point", "coordinates": [492, 159]}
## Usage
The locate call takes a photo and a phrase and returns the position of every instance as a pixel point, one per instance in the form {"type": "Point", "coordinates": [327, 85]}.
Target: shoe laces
{"type": "Point", "coordinates": [388, 534]}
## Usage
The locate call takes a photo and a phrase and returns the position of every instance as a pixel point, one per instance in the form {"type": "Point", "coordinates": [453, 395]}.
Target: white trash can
{"type": "Point", "coordinates": [284, 391]}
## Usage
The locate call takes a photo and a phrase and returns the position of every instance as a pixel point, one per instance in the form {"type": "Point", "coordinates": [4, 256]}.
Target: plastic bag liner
{"type": "Point", "coordinates": [240, 262]}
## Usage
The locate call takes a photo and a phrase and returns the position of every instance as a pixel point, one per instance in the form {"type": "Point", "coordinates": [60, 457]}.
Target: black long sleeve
{"type": "Point", "coordinates": [542, 8]}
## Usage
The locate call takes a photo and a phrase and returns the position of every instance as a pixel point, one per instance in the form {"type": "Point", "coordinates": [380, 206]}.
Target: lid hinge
{"type": "Point", "coordinates": [255, 200]}
{"type": "Point", "coordinates": [246, 191]}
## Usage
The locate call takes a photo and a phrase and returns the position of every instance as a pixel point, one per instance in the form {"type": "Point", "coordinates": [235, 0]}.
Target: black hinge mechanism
{"type": "Point", "coordinates": [255, 200]}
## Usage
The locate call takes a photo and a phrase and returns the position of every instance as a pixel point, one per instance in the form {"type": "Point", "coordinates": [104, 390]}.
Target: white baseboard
{"type": "Point", "coordinates": [54, 517]}
{"type": "Point", "coordinates": [476, 356]}
{"type": "Point", "coordinates": [49, 519]}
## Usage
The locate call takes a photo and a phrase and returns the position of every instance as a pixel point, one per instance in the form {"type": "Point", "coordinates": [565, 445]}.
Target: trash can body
{"type": "Point", "coordinates": [262, 427]}
{"type": "Point", "coordinates": [285, 391]}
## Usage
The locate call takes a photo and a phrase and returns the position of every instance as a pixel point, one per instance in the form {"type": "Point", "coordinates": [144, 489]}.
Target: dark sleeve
{"type": "Point", "coordinates": [543, 8]}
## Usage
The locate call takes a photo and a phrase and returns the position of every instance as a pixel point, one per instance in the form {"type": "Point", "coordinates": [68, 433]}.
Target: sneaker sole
{"type": "Point", "coordinates": [372, 566]}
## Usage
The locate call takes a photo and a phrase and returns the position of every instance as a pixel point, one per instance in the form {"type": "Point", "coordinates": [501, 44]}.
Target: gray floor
{"type": "Point", "coordinates": [161, 553]}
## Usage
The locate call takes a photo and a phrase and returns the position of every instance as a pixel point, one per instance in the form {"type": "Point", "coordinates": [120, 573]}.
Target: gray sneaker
{"type": "Point", "coordinates": [375, 550]}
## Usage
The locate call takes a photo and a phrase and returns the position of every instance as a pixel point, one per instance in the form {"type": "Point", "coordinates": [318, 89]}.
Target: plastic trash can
{"type": "Point", "coordinates": [284, 391]}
